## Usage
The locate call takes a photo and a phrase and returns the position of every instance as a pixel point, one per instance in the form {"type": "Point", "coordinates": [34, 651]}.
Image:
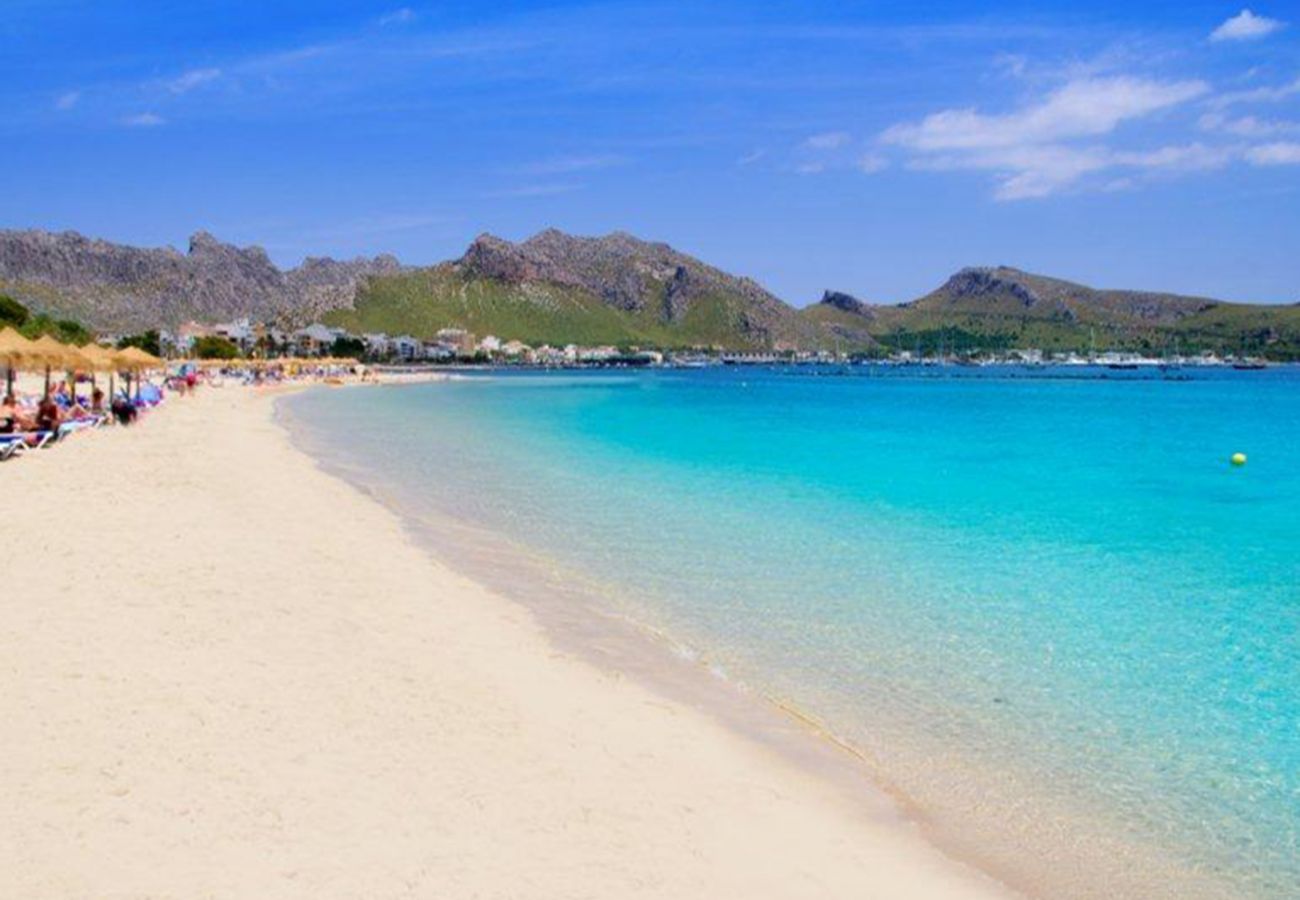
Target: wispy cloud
{"type": "Point", "coordinates": [561, 165]}
{"type": "Point", "coordinates": [1246, 126]}
{"type": "Point", "coordinates": [1282, 153]}
{"type": "Point", "coordinates": [1086, 107]}
{"type": "Point", "coordinates": [535, 190]}
{"type": "Point", "coordinates": [1268, 94]}
{"type": "Point", "coordinates": [397, 17]}
{"type": "Point", "coordinates": [828, 140]}
{"type": "Point", "coordinates": [1246, 26]}
{"type": "Point", "coordinates": [188, 81]}
{"type": "Point", "coordinates": [144, 120]}
{"type": "Point", "coordinates": [1035, 150]}
{"type": "Point", "coordinates": [67, 100]}
{"type": "Point", "coordinates": [751, 157]}
{"type": "Point", "coordinates": [872, 163]}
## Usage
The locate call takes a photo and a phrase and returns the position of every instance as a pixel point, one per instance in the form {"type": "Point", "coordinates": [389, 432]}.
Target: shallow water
{"type": "Point", "coordinates": [1046, 608]}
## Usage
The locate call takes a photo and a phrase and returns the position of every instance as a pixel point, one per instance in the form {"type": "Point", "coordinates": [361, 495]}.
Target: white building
{"type": "Point", "coordinates": [406, 348]}
{"type": "Point", "coordinates": [439, 350]}
{"type": "Point", "coordinates": [238, 332]}
{"type": "Point", "coordinates": [315, 339]}
{"type": "Point", "coordinates": [595, 354]}
{"type": "Point", "coordinates": [459, 338]}
{"type": "Point", "coordinates": [377, 345]}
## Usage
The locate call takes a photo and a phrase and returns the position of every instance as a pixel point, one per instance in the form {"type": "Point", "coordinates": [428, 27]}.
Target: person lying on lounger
{"type": "Point", "coordinates": [9, 415]}
{"type": "Point", "coordinates": [48, 414]}
{"type": "Point", "coordinates": [123, 410]}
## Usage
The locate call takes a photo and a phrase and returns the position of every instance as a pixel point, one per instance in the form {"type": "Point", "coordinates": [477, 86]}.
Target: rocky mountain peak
{"type": "Point", "coordinates": [846, 302]}
{"type": "Point", "coordinates": [122, 288]}
{"type": "Point", "coordinates": [989, 282]}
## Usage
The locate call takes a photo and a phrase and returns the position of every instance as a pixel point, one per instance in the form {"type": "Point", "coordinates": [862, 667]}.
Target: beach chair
{"type": "Point", "coordinates": [11, 445]}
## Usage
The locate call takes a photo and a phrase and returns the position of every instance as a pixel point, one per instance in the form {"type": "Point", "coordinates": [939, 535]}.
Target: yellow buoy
{"type": "Point", "coordinates": [1238, 459]}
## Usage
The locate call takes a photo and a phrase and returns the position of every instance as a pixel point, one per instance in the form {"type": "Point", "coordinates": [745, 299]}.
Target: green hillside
{"type": "Point", "coordinates": [998, 309]}
{"type": "Point", "coordinates": [423, 301]}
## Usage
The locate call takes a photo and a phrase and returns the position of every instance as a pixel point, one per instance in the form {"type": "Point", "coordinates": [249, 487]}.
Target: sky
{"type": "Point", "coordinates": [873, 148]}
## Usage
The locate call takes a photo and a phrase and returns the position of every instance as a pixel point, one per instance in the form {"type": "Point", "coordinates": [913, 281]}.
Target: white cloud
{"type": "Point", "coordinates": [188, 81]}
{"type": "Point", "coordinates": [1245, 26]}
{"type": "Point", "coordinates": [1177, 158]}
{"type": "Point", "coordinates": [1031, 171]}
{"type": "Point", "coordinates": [144, 120]}
{"type": "Point", "coordinates": [535, 190]}
{"type": "Point", "coordinates": [871, 164]}
{"type": "Point", "coordinates": [398, 17]}
{"type": "Point", "coordinates": [66, 101]}
{"type": "Point", "coordinates": [560, 165]}
{"type": "Point", "coordinates": [810, 168]}
{"type": "Point", "coordinates": [1282, 153]}
{"type": "Point", "coordinates": [1011, 65]}
{"type": "Point", "coordinates": [830, 140]}
{"type": "Point", "coordinates": [750, 158]}
{"type": "Point", "coordinates": [1084, 107]}
{"type": "Point", "coordinates": [1035, 151]}
{"type": "Point", "coordinates": [1275, 94]}
{"type": "Point", "coordinates": [1246, 126]}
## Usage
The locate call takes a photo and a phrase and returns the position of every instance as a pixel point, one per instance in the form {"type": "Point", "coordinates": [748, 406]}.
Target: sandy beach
{"type": "Point", "coordinates": [229, 674]}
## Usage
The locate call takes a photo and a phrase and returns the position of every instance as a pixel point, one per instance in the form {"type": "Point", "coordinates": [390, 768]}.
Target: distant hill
{"type": "Point", "coordinates": [557, 288]}
{"type": "Point", "coordinates": [1002, 307]}
{"type": "Point", "coordinates": [116, 287]}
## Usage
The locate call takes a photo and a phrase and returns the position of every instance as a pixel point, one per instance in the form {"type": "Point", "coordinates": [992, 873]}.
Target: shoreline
{"type": "Point", "coordinates": [279, 693]}
{"type": "Point", "coordinates": [1112, 865]}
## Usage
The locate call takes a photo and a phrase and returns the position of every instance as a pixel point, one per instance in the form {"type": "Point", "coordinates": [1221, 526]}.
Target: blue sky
{"type": "Point", "coordinates": [867, 147]}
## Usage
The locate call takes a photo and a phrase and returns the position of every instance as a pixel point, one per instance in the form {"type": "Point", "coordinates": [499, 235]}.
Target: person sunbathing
{"type": "Point", "coordinates": [123, 410]}
{"type": "Point", "coordinates": [48, 415]}
{"type": "Point", "coordinates": [9, 415]}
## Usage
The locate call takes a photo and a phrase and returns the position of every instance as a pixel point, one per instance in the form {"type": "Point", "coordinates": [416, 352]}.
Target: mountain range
{"type": "Point", "coordinates": [116, 287]}
{"type": "Point", "coordinates": [617, 289]}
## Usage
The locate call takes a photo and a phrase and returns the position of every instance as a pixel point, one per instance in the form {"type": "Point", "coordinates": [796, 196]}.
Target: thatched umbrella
{"type": "Point", "coordinates": [100, 359]}
{"type": "Point", "coordinates": [75, 361]}
{"type": "Point", "coordinates": [135, 360]}
{"type": "Point", "coordinates": [48, 352]}
{"type": "Point", "coordinates": [15, 352]}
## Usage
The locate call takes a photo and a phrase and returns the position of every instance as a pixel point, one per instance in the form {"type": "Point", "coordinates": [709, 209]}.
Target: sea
{"type": "Point", "coordinates": [1041, 605]}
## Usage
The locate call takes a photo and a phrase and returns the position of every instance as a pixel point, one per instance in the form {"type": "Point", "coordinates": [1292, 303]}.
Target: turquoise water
{"type": "Point", "coordinates": [1045, 608]}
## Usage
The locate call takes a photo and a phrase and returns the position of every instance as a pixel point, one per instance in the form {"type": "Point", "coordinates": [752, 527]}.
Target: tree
{"type": "Point", "coordinates": [65, 331]}
{"type": "Point", "coordinates": [149, 342]}
{"type": "Point", "coordinates": [12, 312]}
{"type": "Point", "coordinates": [348, 347]}
{"type": "Point", "coordinates": [215, 347]}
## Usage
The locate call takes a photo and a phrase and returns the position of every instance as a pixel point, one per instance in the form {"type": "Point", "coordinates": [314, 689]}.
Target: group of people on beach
{"type": "Point", "coordinates": [37, 421]}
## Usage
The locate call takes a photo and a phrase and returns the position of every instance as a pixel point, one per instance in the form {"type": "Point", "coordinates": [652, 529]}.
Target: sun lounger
{"type": "Point", "coordinates": [27, 440]}
{"type": "Point", "coordinates": [11, 445]}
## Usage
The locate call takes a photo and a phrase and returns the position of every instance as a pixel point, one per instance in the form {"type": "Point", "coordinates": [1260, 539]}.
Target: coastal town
{"type": "Point", "coordinates": [452, 346]}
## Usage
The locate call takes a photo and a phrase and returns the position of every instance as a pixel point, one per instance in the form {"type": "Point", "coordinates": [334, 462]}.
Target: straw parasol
{"type": "Point", "coordinates": [135, 360]}
{"type": "Point", "coordinates": [46, 351]}
{"type": "Point", "coordinates": [100, 359]}
{"type": "Point", "coordinates": [15, 352]}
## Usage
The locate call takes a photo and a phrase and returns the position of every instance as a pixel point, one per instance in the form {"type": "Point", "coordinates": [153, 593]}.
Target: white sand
{"type": "Point", "coordinates": [227, 674]}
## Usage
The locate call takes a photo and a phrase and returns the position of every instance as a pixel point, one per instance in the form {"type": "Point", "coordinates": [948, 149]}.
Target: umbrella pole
{"type": "Point", "coordinates": [47, 381]}
{"type": "Point", "coordinates": [9, 381]}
